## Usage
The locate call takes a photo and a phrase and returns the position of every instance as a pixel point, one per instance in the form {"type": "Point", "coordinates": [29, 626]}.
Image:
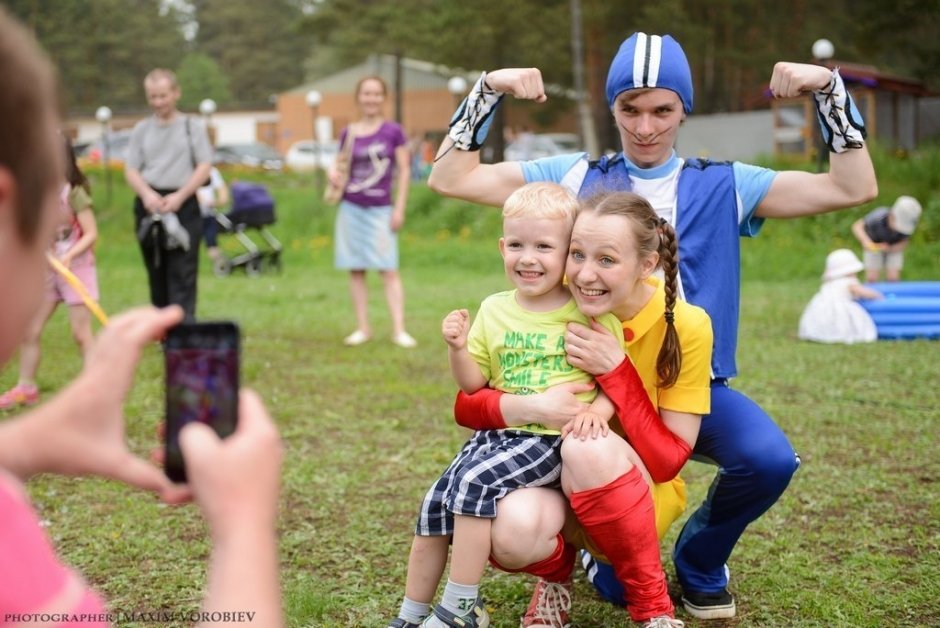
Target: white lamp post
{"type": "Point", "coordinates": [103, 115]}
{"type": "Point", "coordinates": [823, 49]}
{"type": "Point", "coordinates": [314, 98]}
{"type": "Point", "coordinates": [457, 86]}
{"type": "Point", "coordinates": [207, 107]}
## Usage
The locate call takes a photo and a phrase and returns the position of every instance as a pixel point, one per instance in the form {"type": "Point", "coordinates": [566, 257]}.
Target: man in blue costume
{"type": "Point", "coordinates": [711, 205]}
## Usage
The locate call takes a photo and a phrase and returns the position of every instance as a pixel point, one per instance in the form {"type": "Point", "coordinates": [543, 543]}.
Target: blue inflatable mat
{"type": "Point", "coordinates": [910, 309]}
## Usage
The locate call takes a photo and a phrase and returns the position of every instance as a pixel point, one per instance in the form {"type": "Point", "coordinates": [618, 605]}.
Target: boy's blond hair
{"type": "Point", "coordinates": [542, 200]}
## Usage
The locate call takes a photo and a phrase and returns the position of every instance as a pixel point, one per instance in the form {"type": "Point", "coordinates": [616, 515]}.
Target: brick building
{"type": "Point", "coordinates": [424, 106]}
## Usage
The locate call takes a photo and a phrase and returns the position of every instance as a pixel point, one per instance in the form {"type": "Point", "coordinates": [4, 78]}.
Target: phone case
{"type": "Point", "coordinates": [202, 383]}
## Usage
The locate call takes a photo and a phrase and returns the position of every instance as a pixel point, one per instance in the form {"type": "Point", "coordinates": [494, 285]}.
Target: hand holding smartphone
{"type": "Point", "coordinates": [202, 383]}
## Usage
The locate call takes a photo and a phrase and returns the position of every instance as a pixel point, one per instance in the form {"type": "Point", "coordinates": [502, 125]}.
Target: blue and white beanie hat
{"type": "Point", "coordinates": [650, 61]}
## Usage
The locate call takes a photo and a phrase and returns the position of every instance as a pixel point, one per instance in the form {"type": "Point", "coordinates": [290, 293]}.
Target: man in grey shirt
{"type": "Point", "coordinates": [169, 159]}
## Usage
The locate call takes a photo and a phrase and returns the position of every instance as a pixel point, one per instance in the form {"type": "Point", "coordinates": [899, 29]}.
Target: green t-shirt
{"type": "Point", "coordinates": [79, 199]}
{"type": "Point", "coordinates": [523, 352]}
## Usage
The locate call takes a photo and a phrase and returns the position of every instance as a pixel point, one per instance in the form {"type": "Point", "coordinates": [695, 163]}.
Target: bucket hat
{"type": "Point", "coordinates": [841, 263]}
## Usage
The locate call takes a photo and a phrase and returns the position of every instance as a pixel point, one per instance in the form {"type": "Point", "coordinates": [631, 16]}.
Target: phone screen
{"type": "Point", "coordinates": [201, 384]}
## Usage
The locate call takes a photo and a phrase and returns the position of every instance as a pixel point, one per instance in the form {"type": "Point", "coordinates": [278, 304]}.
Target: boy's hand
{"type": "Point", "coordinates": [586, 424]}
{"type": "Point", "coordinates": [455, 328]}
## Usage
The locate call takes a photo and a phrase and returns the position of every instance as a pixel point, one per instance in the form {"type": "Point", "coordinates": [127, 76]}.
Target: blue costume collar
{"type": "Point", "coordinates": [656, 172]}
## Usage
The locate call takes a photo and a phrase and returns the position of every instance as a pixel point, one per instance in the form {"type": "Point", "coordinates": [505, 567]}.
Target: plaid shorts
{"type": "Point", "coordinates": [490, 465]}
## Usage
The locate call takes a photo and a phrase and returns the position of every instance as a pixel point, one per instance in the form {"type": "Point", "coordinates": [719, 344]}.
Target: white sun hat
{"type": "Point", "coordinates": [841, 263]}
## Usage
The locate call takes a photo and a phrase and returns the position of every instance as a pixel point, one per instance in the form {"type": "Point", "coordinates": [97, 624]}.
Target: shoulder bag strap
{"type": "Point", "coordinates": [346, 149]}
{"type": "Point", "coordinates": [189, 141]}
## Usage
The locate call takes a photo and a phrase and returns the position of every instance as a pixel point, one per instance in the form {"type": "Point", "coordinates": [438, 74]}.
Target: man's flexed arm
{"type": "Point", "coordinates": [457, 170]}
{"type": "Point", "coordinates": [851, 178]}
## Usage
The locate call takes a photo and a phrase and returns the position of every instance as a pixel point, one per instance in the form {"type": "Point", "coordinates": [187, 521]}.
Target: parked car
{"type": "Point", "coordinates": [542, 145]}
{"type": "Point", "coordinates": [302, 155]}
{"type": "Point", "coordinates": [118, 143]}
{"type": "Point", "coordinates": [251, 154]}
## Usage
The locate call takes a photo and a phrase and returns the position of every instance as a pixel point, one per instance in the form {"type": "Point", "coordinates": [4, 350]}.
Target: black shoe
{"type": "Point", "coordinates": [717, 605]}
{"type": "Point", "coordinates": [476, 617]}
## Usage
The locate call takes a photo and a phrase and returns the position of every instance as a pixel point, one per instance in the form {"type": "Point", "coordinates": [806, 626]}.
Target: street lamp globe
{"type": "Point", "coordinates": [103, 114]}
{"type": "Point", "coordinates": [314, 98]}
{"type": "Point", "coordinates": [823, 49]}
{"type": "Point", "coordinates": [207, 107]}
{"type": "Point", "coordinates": [457, 85]}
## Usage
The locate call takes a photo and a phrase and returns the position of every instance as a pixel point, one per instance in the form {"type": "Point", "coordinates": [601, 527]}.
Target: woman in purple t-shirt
{"type": "Point", "coordinates": [367, 224]}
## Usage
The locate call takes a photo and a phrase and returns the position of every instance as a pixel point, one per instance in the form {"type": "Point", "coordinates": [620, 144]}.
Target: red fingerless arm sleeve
{"type": "Point", "coordinates": [663, 452]}
{"type": "Point", "coordinates": [479, 411]}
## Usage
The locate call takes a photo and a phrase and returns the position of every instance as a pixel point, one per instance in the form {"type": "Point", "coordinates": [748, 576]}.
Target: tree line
{"type": "Point", "coordinates": [241, 52]}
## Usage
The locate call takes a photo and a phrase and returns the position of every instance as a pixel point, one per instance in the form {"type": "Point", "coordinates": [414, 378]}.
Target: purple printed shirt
{"type": "Point", "coordinates": [373, 164]}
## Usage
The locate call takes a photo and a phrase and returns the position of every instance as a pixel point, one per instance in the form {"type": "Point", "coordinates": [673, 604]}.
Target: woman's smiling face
{"type": "Point", "coordinates": [371, 97]}
{"type": "Point", "coordinates": [604, 269]}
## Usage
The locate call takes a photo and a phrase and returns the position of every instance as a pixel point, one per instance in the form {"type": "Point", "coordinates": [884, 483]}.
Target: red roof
{"type": "Point", "coordinates": [870, 76]}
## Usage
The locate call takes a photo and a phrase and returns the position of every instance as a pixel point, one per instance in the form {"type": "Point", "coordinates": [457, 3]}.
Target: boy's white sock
{"type": "Point", "coordinates": [460, 598]}
{"type": "Point", "coordinates": [413, 612]}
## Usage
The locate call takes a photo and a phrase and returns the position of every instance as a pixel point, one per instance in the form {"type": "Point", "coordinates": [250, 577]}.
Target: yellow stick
{"type": "Point", "coordinates": [79, 287]}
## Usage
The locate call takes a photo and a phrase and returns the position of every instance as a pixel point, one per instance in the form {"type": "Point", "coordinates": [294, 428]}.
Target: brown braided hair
{"type": "Point", "coordinates": [653, 235]}
{"type": "Point", "coordinates": [669, 362]}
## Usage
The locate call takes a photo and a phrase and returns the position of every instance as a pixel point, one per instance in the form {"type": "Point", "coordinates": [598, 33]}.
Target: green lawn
{"type": "Point", "coordinates": [855, 541]}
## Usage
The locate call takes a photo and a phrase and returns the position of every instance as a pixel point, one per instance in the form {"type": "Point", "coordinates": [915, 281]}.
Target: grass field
{"type": "Point", "coordinates": [855, 541]}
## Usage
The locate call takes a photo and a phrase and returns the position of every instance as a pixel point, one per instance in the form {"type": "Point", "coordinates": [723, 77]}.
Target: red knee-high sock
{"type": "Point", "coordinates": [558, 566]}
{"type": "Point", "coordinates": [555, 568]}
{"type": "Point", "coordinates": [619, 519]}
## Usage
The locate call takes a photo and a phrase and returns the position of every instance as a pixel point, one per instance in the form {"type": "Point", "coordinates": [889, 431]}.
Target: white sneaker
{"type": "Point", "coordinates": [356, 338]}
{"type": "Point", "coordinates": [549, 607]}
{"type": "Point", "coordinates": [404, 339]}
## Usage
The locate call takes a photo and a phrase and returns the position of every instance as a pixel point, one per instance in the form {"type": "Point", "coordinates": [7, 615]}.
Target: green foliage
{"type": "Point", "coordinates": [503, 34]}
{"type": "Point", "coordinates": [201, 77]}
{"type": "Point", "coordinates": [809, 240]}
{"type": "Point", "coordinates": [257, 45]}
{"type": "Point", "coordinates": [103, 48]}
{"type": "Point", "coordinates": [905, 37]}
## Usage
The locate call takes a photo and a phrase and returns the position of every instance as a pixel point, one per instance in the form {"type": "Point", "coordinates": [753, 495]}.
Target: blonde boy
{"type": "Point", "coordinates": [515, 344]}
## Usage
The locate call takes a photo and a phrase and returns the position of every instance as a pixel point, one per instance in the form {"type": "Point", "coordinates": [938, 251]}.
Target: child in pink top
{"type": "Point", "coordinates": [75, 238]}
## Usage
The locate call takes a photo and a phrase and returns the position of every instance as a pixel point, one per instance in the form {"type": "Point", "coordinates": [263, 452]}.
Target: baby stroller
{"type": "Point", "coordinates": [252, 209]}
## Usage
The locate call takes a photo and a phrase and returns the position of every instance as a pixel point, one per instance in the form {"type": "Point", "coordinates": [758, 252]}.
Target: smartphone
{"type": "Point", "coordinates": [202, 372]}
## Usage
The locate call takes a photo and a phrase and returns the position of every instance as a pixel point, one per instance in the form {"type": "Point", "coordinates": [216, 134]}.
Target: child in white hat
{"type": "Point", "coordinates": [833, 315]}
{"type": "Point", "coordinates": [884, 234]}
